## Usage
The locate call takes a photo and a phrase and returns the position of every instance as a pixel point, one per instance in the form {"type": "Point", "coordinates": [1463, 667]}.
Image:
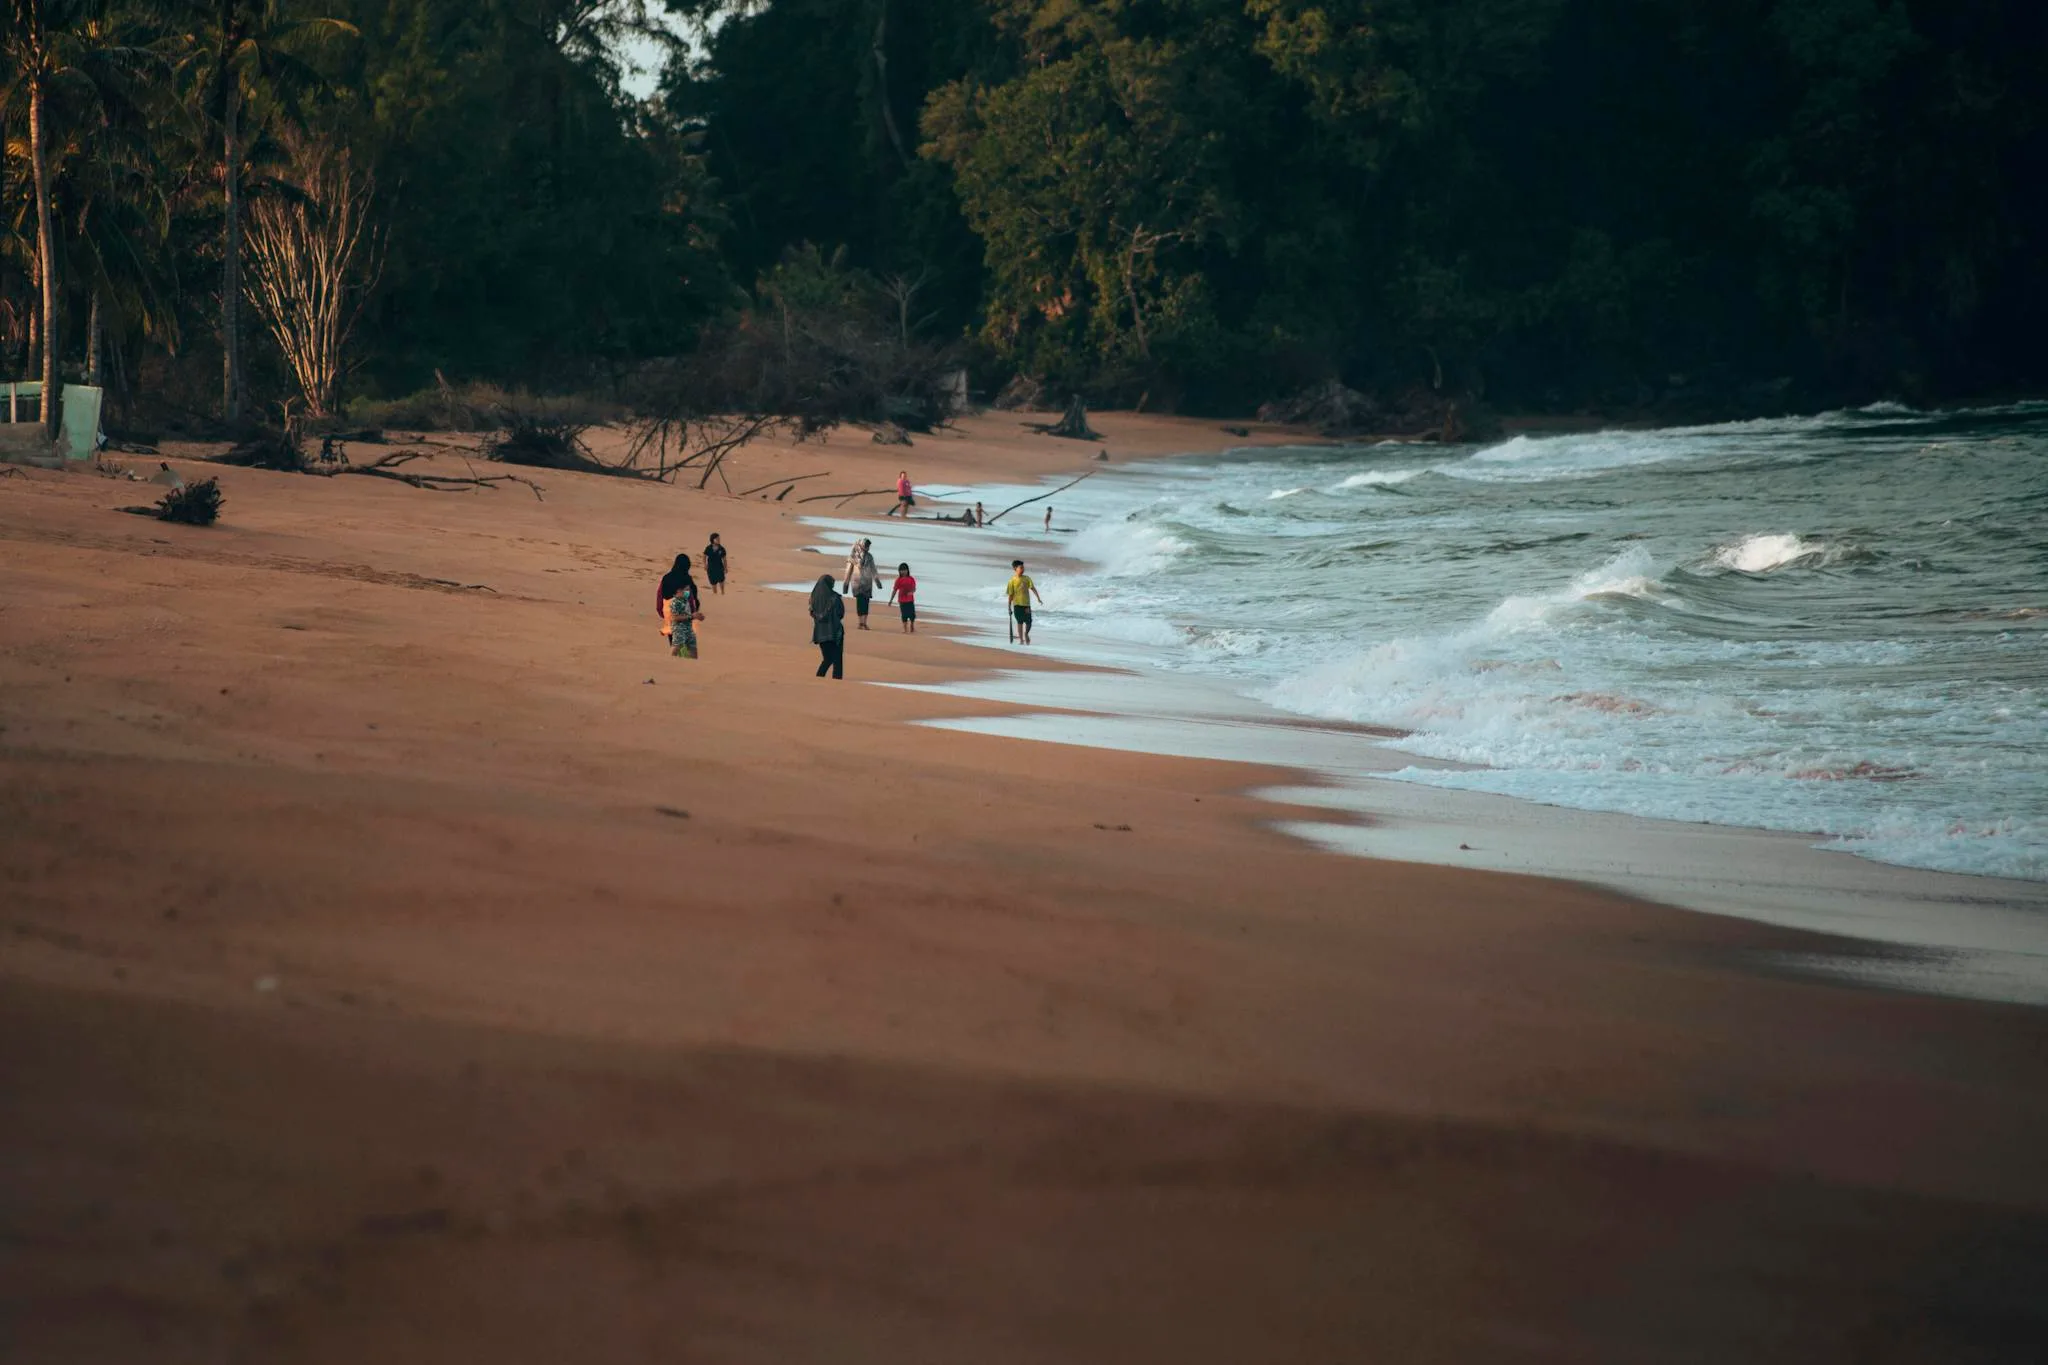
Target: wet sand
{"type": "Point", "coordinates": [391, 971]}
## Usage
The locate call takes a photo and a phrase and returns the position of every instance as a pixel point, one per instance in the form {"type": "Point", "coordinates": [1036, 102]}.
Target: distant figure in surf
{"type": "Point", "coordinates": [903, 592]}
{"type": "Point", "coordinates": [1020, 591]}
{"type": "Point", "coordinates": [828, 627]}
{"type": "Point", "coordinates": [860, 577]}
{"type": "Point", "coordinates": [980, 517]}
{"type": "Point", "coordinates": [904, 502]}
{"type": "Point", "coordinates": [714, 565]}
{"type": "Point", "coordinates": [1048, 518]}
{"type": "Point", "coordinates": [676, 602]}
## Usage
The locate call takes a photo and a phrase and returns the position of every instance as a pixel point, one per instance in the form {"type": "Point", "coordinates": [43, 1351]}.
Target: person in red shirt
{"type": "Point", "coordinates": [904, 594]}
{"type": "Point", "coordinates": [904, 502]}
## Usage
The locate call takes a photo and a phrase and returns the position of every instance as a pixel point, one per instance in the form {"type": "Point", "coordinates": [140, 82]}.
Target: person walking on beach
{"type": "Point", "coordinates": [903, 592]}
{"type": "Point", "coordinates": [1020, 592]}
{"type": "Point", "coordinates": [860, 577]}
{"type": "Point", "coordinates": [1048, 518]}
{"type": "Point", "coordinates": [675, 600]}
{"type": "Point", "coordinates": [714, 565]}
{"type": "Point", "coordinates": [980, 517]}
{"type": "Point", "coordinates": [904, 502]}
{"type": "Point", "coordinates": [828, 627]}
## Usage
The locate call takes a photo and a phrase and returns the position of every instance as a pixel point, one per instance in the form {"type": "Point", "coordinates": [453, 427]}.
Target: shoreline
{"type": "Point", "coordinates": [402, 970]}
{"type": "Point", "coordinates": [1970, 935]}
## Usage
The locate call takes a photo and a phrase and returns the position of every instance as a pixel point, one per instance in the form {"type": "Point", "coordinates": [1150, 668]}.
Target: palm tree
{"type": "Point", "coordinates": [34, 29]}
{"type": "Point", "coordinates": [247, 55]}
{"type": "Point", "coordinates": [66, 58]}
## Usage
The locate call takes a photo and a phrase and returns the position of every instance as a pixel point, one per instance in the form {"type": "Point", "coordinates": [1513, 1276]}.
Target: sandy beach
{"type": "Point", "coordinates": [405, 959]}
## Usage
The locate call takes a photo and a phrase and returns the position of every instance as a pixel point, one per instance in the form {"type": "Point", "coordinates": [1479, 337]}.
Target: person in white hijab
{"type": "Point", "coordinates": [861, 577]}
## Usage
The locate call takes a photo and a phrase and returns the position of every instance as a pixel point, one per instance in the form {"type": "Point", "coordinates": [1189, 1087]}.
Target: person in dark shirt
{"type": "Point", "coordinates": [828, 627]}
{"type": "Point", "coordinates": [714, 565]}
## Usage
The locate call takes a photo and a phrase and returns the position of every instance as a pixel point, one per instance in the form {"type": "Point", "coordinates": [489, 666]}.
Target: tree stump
{"type": "Point", "coordinates": [1074, 426]}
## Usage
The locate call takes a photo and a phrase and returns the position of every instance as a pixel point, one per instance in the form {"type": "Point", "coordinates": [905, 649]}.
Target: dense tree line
{"type": "Point", "coordinates": [1676, 204]}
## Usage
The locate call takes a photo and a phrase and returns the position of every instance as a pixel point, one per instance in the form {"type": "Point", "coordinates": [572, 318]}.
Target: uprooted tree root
{"type": "Point", "coordinates": [285, 451]}
{"type": "Point", "coordinates": [392, 467]}
{"type": "Point", "coordinates": [189, 504]}
{"type": "Point", "coordinates": [192, 504]}
{"type": "Point", "coordinates": [538, 439]}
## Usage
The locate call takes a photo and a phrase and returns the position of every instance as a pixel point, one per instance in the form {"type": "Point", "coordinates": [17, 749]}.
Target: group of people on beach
{"type": "Point", "coordinates": [680, 604]}
{"type": "Point", "coordinates": [906, 499]}
{"type": "Point", "coordinates": [859, 579]}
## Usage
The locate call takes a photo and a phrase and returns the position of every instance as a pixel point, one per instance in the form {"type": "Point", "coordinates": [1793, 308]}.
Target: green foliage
{"type": "Point", "coordinates": [1197, 203]}
{"type": "Point", "coordinates": [1094, 181]}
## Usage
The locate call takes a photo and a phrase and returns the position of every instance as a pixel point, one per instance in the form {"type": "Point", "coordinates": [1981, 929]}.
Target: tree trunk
{"type": "Point", "coordinates": [46, 255]}
{"type": "Point", "coordinates": [92, 342]}
{"type": "Point", "coordinates": [878, 49]}
{"type": "Point", "coordinates": [231, 271]}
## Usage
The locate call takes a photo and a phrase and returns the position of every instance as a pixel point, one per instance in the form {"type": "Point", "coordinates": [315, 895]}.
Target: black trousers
{"type": "Point", "coordinates": [832, 655]}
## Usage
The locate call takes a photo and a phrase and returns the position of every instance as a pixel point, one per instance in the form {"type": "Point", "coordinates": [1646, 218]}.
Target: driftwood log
{"type": "Point", "coordinates": [1040, 498]}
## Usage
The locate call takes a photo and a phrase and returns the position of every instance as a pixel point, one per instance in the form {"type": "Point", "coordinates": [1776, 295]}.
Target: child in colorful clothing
{"type": "Point", "coordinates": [904, 594]}
{"type": "Point", "coordinates": [677, 601]}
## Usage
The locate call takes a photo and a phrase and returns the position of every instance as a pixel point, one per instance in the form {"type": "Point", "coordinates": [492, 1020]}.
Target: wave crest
{"type": "Point", "coordinates": [1763, 553]}
{"type": "Point", "coordinates": [1127, 549]}
{"type": "Point", "coordinates": [1380, 478]}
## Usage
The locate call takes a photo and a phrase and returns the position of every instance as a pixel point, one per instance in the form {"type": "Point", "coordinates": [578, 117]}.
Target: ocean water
{"type": "Point", "coordinates": [1835, 625]}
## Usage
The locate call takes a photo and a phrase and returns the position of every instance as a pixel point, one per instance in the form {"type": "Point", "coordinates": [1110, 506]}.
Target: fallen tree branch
{"type": "Point", "coordinates": [388, 467]}
{"type": "Point", "coordinates": [1040, 498]}
{"type": "Point", "coordinates": [846, 497]}
{"type": "Point", "coordinates": [763, 487]}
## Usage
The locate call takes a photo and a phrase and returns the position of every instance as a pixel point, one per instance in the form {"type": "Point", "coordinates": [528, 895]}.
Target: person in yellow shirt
{"type": "Point", "coordinates": [1021, 590]}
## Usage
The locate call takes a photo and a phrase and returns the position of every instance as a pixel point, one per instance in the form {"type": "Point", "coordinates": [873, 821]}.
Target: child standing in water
{"type": "Point", "coordinates": [1019, 591]}
{"type": "Point", "coordinates": [904, 594]}
{"type": "Point", "coordinates": [676, 600]}
{"type": "Point", "coordinates": [714, 564]}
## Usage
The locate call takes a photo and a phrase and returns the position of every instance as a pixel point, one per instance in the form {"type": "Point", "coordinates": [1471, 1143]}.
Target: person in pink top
{"type": "Point", "coordinates": [904, 502]}
{"type": "Point", "coordinates": [904, 594]}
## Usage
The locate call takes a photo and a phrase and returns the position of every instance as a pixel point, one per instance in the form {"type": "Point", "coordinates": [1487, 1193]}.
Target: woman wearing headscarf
{"type": "Point", "coordinates": [861, 577]}
{"type": "Point", "coordinates": [676, 602]}
{"type": "Point", "coordinates": [828, 627]}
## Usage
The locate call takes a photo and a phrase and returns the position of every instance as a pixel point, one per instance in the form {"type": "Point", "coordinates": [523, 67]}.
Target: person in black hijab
{"type": "Point", "coordinates": [828, 627]}
{"type": "Point", "coordinates": [676, 577]}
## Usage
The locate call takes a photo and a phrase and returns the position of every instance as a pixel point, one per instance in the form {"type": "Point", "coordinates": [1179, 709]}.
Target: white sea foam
{"type": "Point", "coordinates": [1380, 478]}
{"type": "Point", "coordinates": [1127, 548]}
{"type": "Point", "coordinates": [1660, 675]}
{"type": "Point", "coordinates": [1530, 459]}
{"type": "Point", "coordinates": [1763, 553]}
{"type": "Point", "coordinates": [1632, 573]}
{"type": "Point", "coordinates": [1581, 455]}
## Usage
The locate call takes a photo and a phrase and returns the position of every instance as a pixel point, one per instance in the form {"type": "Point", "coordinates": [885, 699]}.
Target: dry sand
{"type": "Point", "coordinates": [397, 970]}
